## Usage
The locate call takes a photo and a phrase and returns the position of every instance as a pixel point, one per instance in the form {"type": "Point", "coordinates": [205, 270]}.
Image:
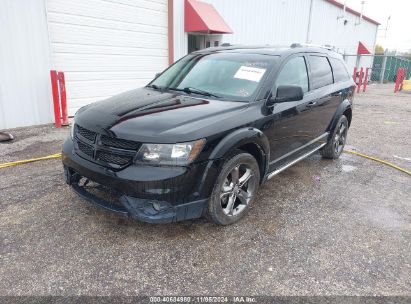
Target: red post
{"type": "Point", "coordinates": [404, 73]}
{"type": "Point", "coordinates": [354, 75]}
{"type": "Point", "coordinates": [63, 100]}
{"type": "Point", "coordinates": [365, 79]}
{"type": "Point", "coordinates": [360, 80]}
{"type": "Point", "coordinates": [56, 103]}
{"type": "Point", "coordinates": [398, 80]}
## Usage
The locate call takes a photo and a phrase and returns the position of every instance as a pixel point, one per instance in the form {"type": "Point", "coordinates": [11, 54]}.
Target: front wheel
{"type": "Point", "coordinates": [235, 189]}
{"type": "Point", "coordinates": [336, 143]}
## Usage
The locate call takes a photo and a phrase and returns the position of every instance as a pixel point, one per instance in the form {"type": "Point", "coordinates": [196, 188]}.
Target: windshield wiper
{"type": "Point", "coordinates": [155, 87]}
{"type": "Point", "coordinates": [190, 90]}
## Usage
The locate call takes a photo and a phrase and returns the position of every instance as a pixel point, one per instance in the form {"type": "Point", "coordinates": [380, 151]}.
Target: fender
{"type": "Point", "coordinates": [232, 141]}
{"type": "Point", "coordinates": [242, 137]}
{"type": "Point", "coordinates": [346, 104]}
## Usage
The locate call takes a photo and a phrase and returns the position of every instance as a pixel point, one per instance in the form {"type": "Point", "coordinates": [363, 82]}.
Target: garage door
{"type": "Point", "coordinates": [106, 46]}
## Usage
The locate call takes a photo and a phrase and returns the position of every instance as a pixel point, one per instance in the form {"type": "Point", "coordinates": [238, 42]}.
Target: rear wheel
{"type": "Point", "coordinates": [234, 190]}
{"type": "Point", "coordinates": [335, 145]}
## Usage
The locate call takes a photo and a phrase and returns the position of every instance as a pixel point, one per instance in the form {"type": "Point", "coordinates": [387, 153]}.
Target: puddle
{"type": "Point", "coordinates": [348, 168]}
{"type": "Point", "coordinates": [386, 218]}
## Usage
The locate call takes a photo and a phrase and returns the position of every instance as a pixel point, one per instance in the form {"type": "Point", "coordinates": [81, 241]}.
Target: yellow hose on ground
{"type": "Point", "coordinates": [58, 155]}
{"type": "Point", "coordinates": [25, 161]}
{"type": "Point", "coordinates": [379, 160]}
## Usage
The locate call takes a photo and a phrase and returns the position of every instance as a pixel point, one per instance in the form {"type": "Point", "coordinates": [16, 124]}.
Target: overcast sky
{"type": "Point", "coordinates": [398, 35]}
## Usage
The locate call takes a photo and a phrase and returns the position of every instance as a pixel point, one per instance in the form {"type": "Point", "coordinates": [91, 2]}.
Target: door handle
{"type": "Point", "coordinates": [337, 94]}
{"type": "Point", "coordinates": [311, 103]}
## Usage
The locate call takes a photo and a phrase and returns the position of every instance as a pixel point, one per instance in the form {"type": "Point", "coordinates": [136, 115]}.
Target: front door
{"type": "Point", "coordinates": [294, 126]}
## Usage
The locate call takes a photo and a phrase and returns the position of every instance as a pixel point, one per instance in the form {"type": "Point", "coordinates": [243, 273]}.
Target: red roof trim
{"type": "Point", "coordinates": [350, 10]}
{"type": "Point", "coordinates": [202, 17]}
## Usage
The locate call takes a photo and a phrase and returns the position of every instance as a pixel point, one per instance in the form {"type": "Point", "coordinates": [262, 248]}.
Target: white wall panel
{"type": "Point", "coordinates": [180, 37]}
{"type": "Point", "coordinates": [25, 97]}
{"type": "Point", "coordinates": [283, 22]}
{"type": "Point", "coordinates": [106, 47]}
{"type": "Point", "coordinates": [274, 22]}
{"type": "Point", "coordinates": [328, 29]}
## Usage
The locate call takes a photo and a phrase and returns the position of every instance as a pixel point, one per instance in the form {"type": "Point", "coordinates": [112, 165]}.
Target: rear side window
{"type": "Point", "coordinates": [339, 70]}
{"type": "Point", "coordinates": [294, 72]}
{"type": "Point", "coordinates": [321, 74]}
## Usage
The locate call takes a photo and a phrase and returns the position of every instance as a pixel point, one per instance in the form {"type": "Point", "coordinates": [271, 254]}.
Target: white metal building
{"type": "Point", "coordinates": [105, 47]}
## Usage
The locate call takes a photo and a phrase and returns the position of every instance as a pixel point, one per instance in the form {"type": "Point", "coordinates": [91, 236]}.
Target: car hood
{"type": "Point", "coordinates": [151, 116]}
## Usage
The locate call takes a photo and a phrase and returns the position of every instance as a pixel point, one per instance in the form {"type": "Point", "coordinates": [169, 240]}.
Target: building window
{"type": "Point", "coordinates": [215, 43]}
{"type": "Point", "coordinates": [208, 44]}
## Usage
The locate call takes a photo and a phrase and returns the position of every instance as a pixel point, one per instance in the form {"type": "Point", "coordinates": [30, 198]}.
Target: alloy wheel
{"type": "Point", "coordinates": [237, 190]}
{"type": "Point", "coordinates": [340, 138]}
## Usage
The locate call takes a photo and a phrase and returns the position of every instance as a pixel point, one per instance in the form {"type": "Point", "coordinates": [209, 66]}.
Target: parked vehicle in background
{"type": "Point", "coordinates": [203, 136]}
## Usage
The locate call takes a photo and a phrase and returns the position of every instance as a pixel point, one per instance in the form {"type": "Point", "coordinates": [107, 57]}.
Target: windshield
{"type": "Point", "coordinates": [228, 75]}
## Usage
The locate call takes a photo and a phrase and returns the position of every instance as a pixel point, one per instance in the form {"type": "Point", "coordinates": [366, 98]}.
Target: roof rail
{"type": "Point", "coordinates": [328, 47]}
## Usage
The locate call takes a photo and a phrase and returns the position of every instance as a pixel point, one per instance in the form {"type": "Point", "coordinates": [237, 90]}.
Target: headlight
{"type": "Point", "coordinates": [72, 130]}
{"type": "Point", "coordinates": [170, 154]}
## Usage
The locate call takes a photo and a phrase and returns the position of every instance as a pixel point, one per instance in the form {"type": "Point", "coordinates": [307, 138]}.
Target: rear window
{"type": "Point", "coordinates": [339, 70]}
{"type": "Point", "coordinates": [321, 74]}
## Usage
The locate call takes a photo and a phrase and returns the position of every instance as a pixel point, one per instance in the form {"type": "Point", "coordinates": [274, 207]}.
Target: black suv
{"type": "Point", "coordinates": [207, 132]}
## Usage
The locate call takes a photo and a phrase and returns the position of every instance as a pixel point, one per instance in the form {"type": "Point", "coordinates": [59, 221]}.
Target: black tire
{"type": "Point", "coordinates": [230, 192]}
{"type": "Point", "coordinates": [336, 143]}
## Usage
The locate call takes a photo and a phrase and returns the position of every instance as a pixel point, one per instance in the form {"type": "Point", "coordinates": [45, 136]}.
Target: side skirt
{"type": "Point", "coordinates": [281, 169]}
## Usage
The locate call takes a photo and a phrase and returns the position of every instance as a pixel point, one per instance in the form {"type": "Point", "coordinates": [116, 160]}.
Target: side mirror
{"type": "Point", "coordinates": [286, 93]}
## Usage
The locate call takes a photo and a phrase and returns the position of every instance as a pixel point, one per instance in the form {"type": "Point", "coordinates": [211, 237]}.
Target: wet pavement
{"type": "Point", "coordinates": [319, 228]}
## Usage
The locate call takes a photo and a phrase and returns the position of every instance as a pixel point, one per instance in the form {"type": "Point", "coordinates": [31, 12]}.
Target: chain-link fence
{"type": "Point", "coordinates": [382, 68]}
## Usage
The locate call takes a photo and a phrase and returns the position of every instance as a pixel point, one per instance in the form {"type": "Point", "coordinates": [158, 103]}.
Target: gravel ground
{"type": "Point", "coordinates": [319, 228]}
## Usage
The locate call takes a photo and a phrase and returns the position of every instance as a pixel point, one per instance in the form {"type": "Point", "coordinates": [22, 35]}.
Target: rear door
{"type": "Point", "coordinates": [327, 95]}
{"type": "Point", "coordinates": [342, 79]}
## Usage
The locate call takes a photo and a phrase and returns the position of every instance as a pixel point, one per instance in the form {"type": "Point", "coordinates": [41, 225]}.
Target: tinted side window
{"type": "Point", "coordinates": [294, 72]}
{"type": "Point", "coordinates": [339, 70]}
{"type": "Point", "coordinates": [320, 71]}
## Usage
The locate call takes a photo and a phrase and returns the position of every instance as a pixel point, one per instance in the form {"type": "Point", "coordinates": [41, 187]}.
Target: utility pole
{"type": "Point", "coordinates": [362, 9]}
{"type": "Point", "coordinates": [384, 64]}
{"type": "Point", "coordinates": [310, 17]}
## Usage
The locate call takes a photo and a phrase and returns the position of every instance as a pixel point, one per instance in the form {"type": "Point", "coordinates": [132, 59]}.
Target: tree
{"type": "Point", "coordinates": [379, 50]}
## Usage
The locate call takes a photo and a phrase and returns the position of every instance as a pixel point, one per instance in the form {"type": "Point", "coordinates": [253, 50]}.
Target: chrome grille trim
{"type": "Point", "coordinates": [108, 151]}
{"type": "Point", "coordinates": [87, 134]}
{"type": "Point", "coordinates": [119, 143]}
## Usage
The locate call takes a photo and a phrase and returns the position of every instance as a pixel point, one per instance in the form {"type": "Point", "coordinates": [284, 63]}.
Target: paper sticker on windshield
{"type": "Point", "coordinates": [249, 73]}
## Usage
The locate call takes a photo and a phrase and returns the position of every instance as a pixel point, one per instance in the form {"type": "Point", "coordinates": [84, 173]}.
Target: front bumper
{"type": "Point", "coordinates": [147, 193]}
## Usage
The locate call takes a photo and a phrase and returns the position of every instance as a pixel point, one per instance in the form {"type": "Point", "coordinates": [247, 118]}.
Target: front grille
{"type": "Point", "coordinates": [119, 143]}
{"type": "Point", "coordinates": [86, 149]}
{"type": "Point", "coordinates": [108, 151]}
{"type": "Point", "coordinates": [110, 158]}
{"type": "Point", "coordinates": [87, 134]}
